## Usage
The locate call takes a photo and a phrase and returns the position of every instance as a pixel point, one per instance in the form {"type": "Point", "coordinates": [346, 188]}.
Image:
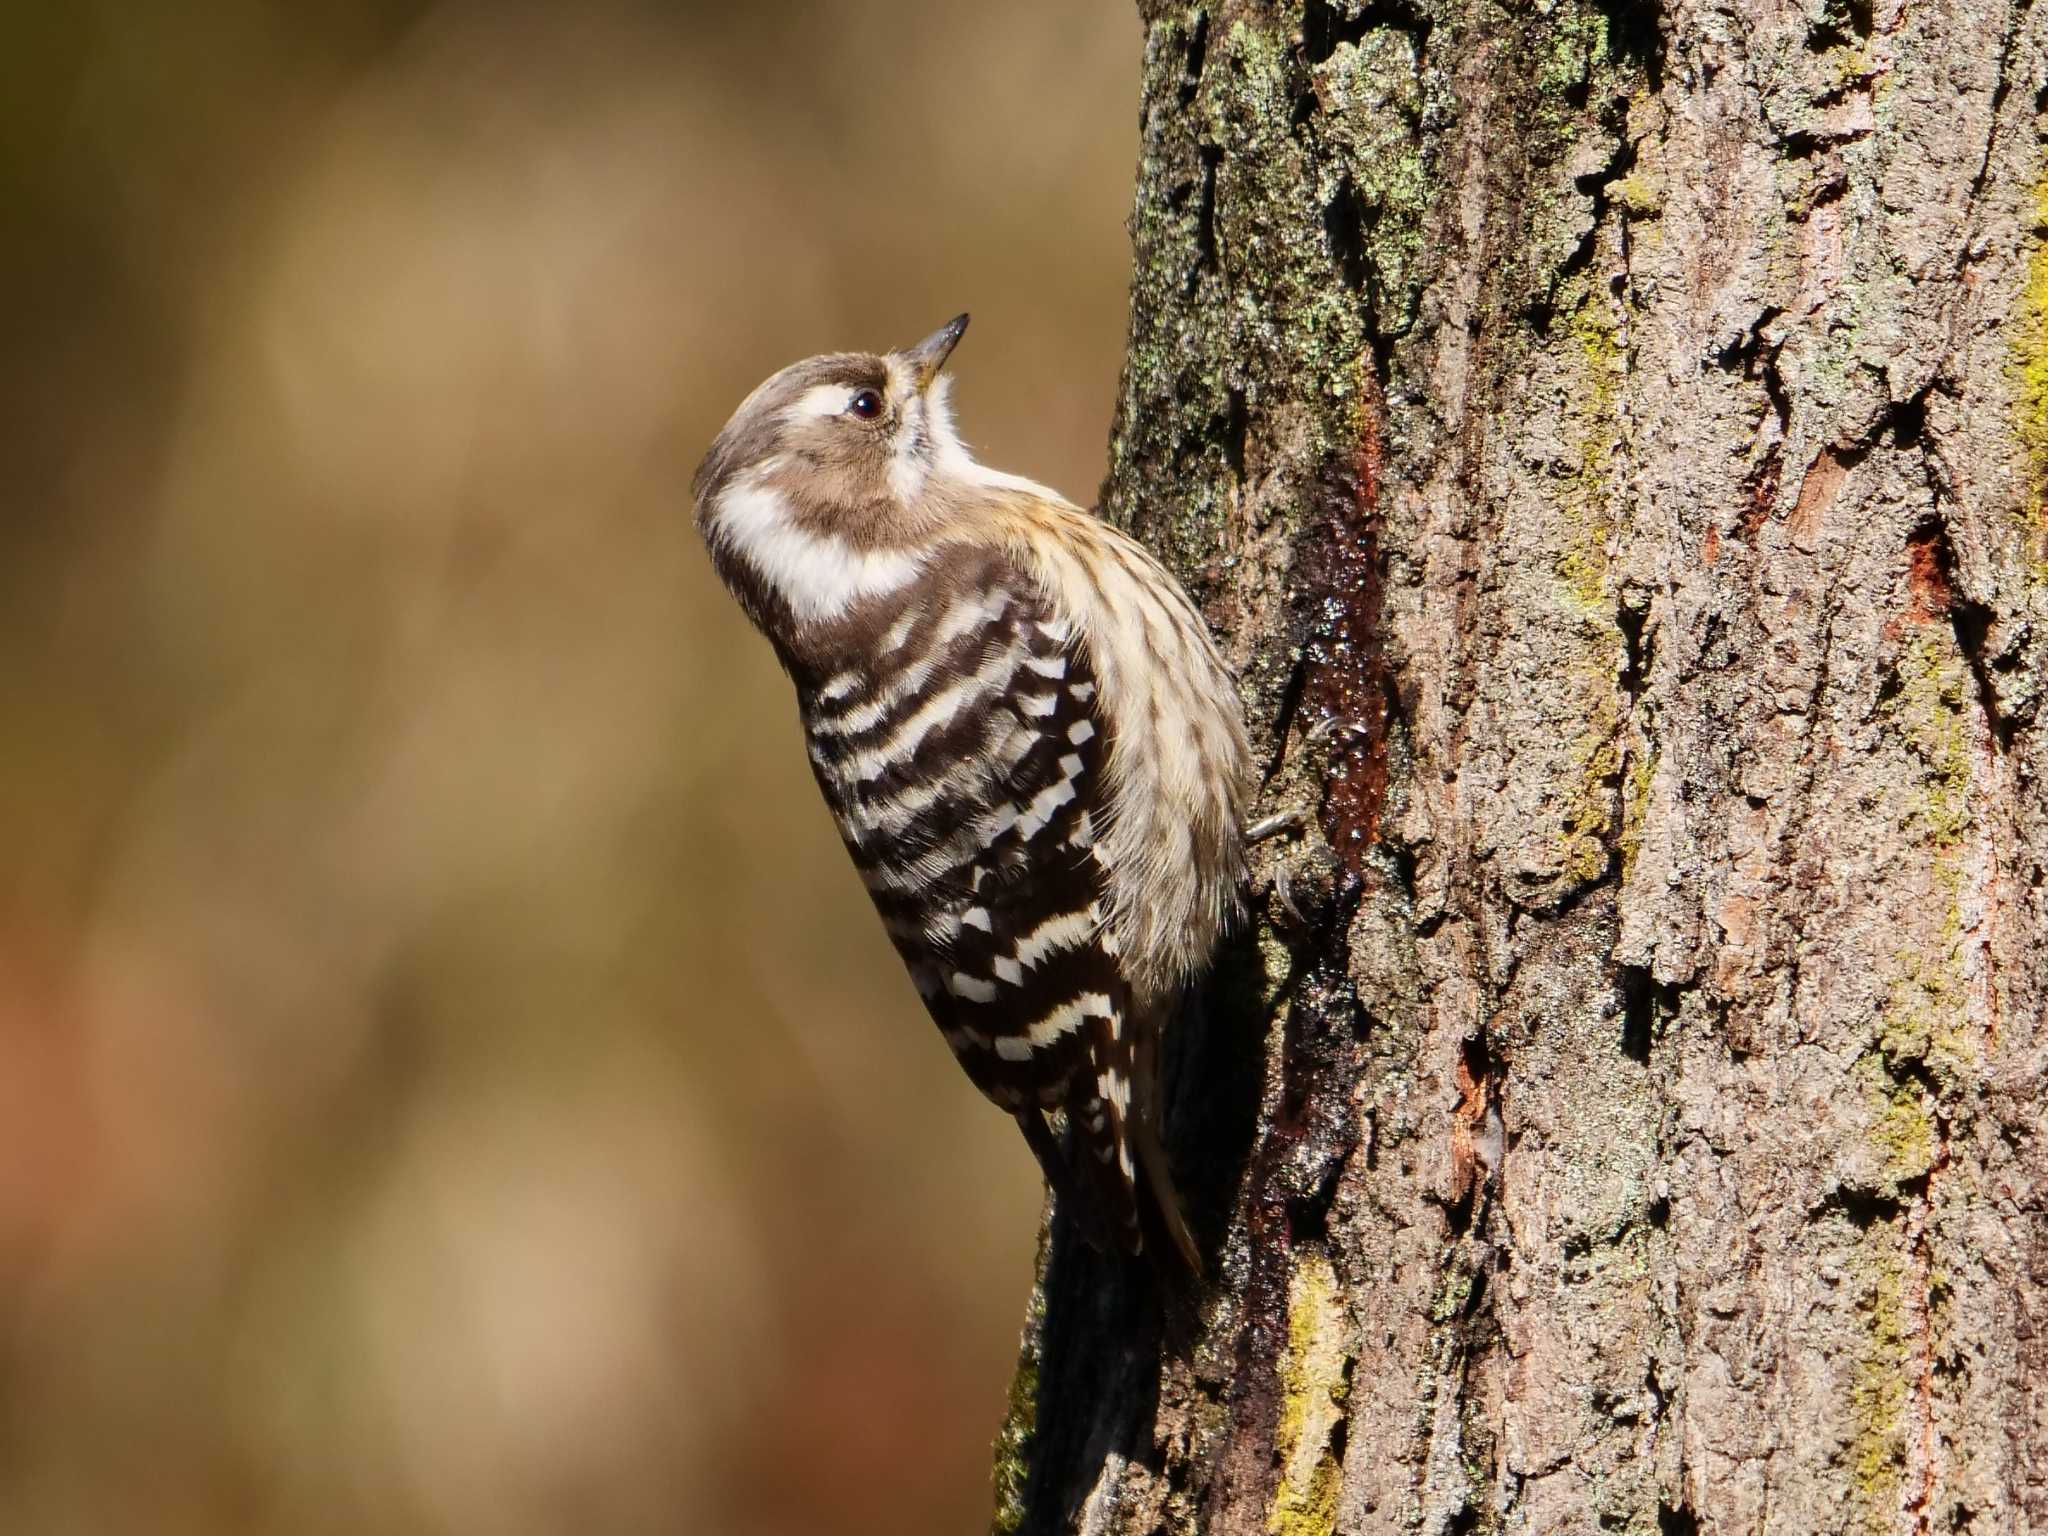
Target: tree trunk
{"type": "Point", "coordinates": [1612, 442]}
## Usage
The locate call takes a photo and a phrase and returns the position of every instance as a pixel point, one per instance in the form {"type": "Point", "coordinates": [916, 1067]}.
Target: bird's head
{"type": "Point", "coordinates": [833, 481]}
{"type": "Point", "coordinates": [849, 441]}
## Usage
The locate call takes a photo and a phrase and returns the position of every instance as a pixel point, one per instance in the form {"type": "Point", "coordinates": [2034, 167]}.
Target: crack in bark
{"type": "Point", "coordinates": [2002, 87]}
{"type": "Point", "coordinates": [1324, 28]}
{"type": "Point", "coordinates": [1211, 157]}
{"type": "Point", "coordinates": [1197, 54]}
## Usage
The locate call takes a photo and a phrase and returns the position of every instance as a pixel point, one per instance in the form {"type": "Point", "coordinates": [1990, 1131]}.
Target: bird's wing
{"type": "Point", "coordinates": [979, 838]}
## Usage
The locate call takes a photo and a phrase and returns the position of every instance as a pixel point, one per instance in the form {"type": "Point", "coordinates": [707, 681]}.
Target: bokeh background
{"type": "Point", "coordinates": [450, 1080]}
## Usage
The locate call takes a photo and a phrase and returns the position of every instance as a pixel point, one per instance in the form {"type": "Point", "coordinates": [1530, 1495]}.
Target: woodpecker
{"type": "Point", "coordinates": [1032, 749]}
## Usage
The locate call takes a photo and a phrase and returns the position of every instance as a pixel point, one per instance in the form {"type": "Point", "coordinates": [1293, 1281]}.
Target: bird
{"type": "Point", "coordinates": [1026, 735]}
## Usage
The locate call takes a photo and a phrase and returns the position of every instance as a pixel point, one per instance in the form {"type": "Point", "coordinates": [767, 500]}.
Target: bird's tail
{"type": "Point", "coordinates": [1112, 1176]}
{"type": "Point", "coordinates": [1159, 1213]}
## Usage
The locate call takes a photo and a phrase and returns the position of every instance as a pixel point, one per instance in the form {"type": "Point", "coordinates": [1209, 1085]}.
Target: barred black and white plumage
{"type": "Point", "coordinates": [1029, 743]}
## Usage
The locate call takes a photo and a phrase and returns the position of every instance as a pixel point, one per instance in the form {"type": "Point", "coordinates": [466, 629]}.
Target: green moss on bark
{"type": "Point", "coordinates": [1926, 1013]}
{"type": "Point", "coordinates": [1880, 1388]}
{"type": "Point", "coordinates": [1315, 1382]}
{"type": "Point", "coordinates": [1011, 1469]}
{"type": "Point", "coordinates": [2029, 355]}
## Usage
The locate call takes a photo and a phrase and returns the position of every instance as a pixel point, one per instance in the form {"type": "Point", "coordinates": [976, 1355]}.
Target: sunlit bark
{"type": "Point", "coordinates": [1611, 440]}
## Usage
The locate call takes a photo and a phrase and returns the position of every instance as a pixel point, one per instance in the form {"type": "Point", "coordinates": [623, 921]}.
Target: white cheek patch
{"type": "Point", "coordinates": [947, 448]}
{"type": "Point", "coordinates": [820, 576]}
{"type": "Point", "coordinates": [907, 466]}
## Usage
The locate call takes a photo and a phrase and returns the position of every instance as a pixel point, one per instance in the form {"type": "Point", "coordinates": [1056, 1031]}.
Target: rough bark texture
{"type": "Point", "coordinates": [1613, 440]}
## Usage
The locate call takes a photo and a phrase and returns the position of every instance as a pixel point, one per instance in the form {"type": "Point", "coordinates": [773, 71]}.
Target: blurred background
{"type": "Point", "coordinates": [450, 1078]}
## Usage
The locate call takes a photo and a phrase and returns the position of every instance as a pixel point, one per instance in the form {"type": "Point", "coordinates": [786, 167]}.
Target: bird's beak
{"type": "Point", "coordinates": [929, 355]}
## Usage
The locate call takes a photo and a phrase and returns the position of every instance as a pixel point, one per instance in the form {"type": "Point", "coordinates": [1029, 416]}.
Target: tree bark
{"type": "Point", "coordinates": [1612, 441]}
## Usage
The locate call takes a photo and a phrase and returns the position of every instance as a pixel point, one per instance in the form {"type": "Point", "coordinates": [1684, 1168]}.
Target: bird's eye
{"type": "Point", "coordinates": [867, 405]}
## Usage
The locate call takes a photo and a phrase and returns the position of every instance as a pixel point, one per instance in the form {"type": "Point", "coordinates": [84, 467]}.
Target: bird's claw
{"type": "Point", "coordinates": [1267, 827]}
{"type": "Point", "coordinates": [1283, 893]}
